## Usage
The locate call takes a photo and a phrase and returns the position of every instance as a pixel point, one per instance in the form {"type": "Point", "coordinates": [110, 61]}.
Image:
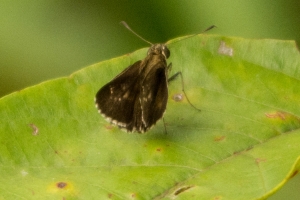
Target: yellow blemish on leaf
{"type": "Point", "coordinates": [61, 187]}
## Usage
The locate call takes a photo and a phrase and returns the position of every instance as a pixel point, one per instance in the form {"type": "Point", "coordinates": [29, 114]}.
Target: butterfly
{"type": "Point", "coordinates": [137, 98]}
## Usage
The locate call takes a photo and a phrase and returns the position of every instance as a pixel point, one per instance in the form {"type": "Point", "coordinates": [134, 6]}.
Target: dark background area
{"type": "Point", "coordinates": [42, 40]}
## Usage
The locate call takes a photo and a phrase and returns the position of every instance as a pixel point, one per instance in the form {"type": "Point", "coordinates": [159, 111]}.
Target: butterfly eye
{"type": "Point", "coordinates": [166, 51]}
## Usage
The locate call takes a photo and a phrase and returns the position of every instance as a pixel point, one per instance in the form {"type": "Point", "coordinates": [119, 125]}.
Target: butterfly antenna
{"type": "Point", "coordinates": [209, 28]}
{"type": "Point", "coordinates": [126, 26]}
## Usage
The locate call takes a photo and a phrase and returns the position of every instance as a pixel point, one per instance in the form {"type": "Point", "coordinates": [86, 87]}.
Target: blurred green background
{"type": "Point", "coordinates": [41, 40]}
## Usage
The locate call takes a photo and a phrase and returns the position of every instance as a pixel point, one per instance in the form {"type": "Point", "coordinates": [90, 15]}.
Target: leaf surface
{"type": "Point", "coordinates": [244, 144]}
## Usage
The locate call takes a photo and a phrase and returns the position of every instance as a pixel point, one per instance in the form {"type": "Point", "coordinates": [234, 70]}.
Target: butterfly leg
{"type": "Point", "coordinates": [182, 86]}
{"type": "Point", "coordinates": [169, 67]}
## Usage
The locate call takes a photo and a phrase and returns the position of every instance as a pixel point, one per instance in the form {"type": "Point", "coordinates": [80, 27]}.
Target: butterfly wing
{"type": "Point", "coordinates": [115, 100]}
{"type": "Point", "coordinates": [154, 95]}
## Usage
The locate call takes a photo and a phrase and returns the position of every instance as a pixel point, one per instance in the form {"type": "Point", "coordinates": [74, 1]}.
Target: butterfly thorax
{"type": "Point", "coordinates": [159, 49]}
{"type": "Point", "coordinates": [156, 58]}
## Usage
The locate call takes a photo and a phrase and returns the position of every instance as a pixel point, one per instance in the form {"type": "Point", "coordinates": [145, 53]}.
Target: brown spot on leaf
{"type": "Point", "coordinates": [278, 115]}
{"type": "Point", "coordinates": [35, 130]}
{"type": "Point", "coordinates": [237, 152]}
{"type": "Point", "coordinates": [159, 149]}
{"type": "Point", "coordinates": [182, 189]}
{"type": "Point", "coordinates": [133, 195]}
{"type": "Point", "coordinates": [134, 182]}
{"type": "Point", "coordinates": [249, 148]}
{"type": "Point", "coordinates": [109, 126]}
{"type": "Point", "coordinates": [110, 195]}
{"type": "Point", "coordinates": [61, 185]}
{"type": "Point", "coordinates": [282, 121]}
{"type": "Point", "coordinates": [219, 138]}
{"type": "Point", "coordinates": [259, 160]}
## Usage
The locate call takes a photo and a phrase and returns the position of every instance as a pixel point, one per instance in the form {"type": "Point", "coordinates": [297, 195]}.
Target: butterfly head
{"type": "Point", "coordinates": [159, 49]}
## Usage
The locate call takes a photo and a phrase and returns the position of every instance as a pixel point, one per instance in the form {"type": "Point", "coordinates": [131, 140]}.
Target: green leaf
{"type": "Point", "coordinates": [244, 144]}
